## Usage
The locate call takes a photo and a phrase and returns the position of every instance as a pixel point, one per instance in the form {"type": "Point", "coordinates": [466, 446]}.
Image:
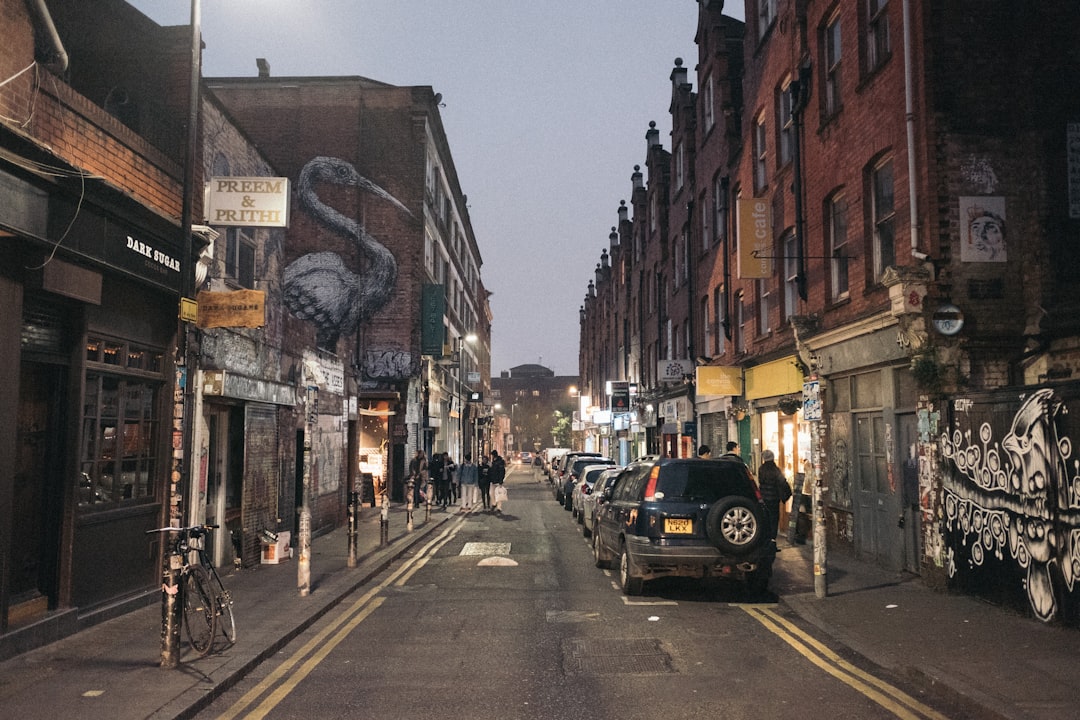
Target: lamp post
{"type": "Point", "coordinates": [181, 463]}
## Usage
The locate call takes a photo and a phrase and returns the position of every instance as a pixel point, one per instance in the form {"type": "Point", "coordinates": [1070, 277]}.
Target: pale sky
{"type": "Point", "coordinates": [546, 107]}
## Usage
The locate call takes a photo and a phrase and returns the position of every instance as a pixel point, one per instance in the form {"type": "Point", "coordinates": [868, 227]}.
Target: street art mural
{"type": "Point", "coordinates": [1012, 500]}
{"type": "Point", "coordinates": [318, 286]}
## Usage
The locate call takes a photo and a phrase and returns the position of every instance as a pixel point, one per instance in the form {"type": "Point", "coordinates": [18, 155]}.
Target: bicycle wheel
{"type": "Point", "coordinates": [200, 616]}
{"type": "Point", "coordinates": [225, 611]}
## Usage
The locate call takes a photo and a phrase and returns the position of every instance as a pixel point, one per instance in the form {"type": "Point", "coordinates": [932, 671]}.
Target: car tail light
{"type": "Point", "coordinates": [650, 486]}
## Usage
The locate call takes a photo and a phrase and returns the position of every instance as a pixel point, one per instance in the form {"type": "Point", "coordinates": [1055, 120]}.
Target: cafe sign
{"type": "Point", "coordinates": [248, 201]}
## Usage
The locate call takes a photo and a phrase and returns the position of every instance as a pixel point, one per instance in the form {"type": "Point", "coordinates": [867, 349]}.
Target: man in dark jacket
{"type": "Point", "coordinates": [497, 474]}
{"type": "Point", "coordinates": [774, 490]}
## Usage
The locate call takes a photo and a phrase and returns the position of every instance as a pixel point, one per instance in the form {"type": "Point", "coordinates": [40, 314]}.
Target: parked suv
{"type": "Point", "coordinates": [684, 517]}
{"type": "Point", "coordinates": [565, 462]}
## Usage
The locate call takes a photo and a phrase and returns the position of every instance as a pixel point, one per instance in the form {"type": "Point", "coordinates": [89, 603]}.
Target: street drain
{"type": "Point", "coordinates": [613, 656]}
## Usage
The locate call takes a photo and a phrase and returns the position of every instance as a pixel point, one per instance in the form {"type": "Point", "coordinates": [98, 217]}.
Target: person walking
{"type": "Point", "coordinates": [732, 452]}
{"type": "Point", "coordinates": [418, 470]}
{"type": "Point", "coordinates": [435, 472]}
{"type": "Point", "coordinates": [483, 481]}
{"type": "Point", "coordinates": [469, 477]}
{"type": "Point", "coordinates": [704, 452]}
{"type": "Point", "coordinates": [497, 474]}
{"type": "Point", "coordinates": [449, 472]}
{"type": "Point", "coordinates": [774, 491]}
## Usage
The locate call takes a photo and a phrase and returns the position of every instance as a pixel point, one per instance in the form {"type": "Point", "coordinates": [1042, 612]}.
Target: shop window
{"type": "Point", "coordinates": [119, 448]}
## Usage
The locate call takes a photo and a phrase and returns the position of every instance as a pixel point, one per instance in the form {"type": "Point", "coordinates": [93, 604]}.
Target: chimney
{"type": "Point", "coordinates": [652, 136]}
{"type": "Point", "coordinates": [264, 67]}
{"type": "Point", "coordinates": [678, 76]}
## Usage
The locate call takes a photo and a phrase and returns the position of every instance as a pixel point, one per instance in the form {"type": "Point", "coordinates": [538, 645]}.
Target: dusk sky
{"type": "Point", "coordinates": [546, 107]}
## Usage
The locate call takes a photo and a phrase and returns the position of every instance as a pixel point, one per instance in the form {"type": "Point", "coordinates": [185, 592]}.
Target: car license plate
{"type": "Point", "coordinates": [683, 526]}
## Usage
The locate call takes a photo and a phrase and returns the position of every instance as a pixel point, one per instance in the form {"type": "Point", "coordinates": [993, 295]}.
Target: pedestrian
{"type": "Point", "coordinates": [497, 474]}
{"type": "Point", "coordinates": [469, 477]}
{"type": "Point", "coordinates": [435, 468]}
{"type": "Point", "coordinates": [732, 452]}
{"type": "Point", "coordinates": [449, 473]}
{"type": "Point", "coordinates": [774, 491]}
{"type": "Point", "coordinates": [704, 452]}
{"type": "Point", "coordinates": [483, 481]}
{"type": "Point", "coordinates": [418, 472]}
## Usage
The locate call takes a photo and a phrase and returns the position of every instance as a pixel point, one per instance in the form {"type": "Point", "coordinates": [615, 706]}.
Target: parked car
{"type": "Point", "coordinates": [591, 501]}
{"type": "Point", "coordinates": [573, 472]}
{"type": "Point", "coordinates": [584, 486]}
{"type": "Point", "coordinates": [565, 461]}
{"type": "Point", "coordinates": [684, 517]}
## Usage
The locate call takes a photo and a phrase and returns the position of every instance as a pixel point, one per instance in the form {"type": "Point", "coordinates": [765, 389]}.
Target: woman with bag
{"type": "Point", "coordinates": [497, 475]}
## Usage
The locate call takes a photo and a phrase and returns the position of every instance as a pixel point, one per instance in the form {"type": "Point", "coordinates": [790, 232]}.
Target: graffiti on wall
{"type": "Point", "coordinates": [318, 286]}
{"type": "Point", "coordinates": [1014, 502]}
{"type": "Point", "coordinates": [390, 365]}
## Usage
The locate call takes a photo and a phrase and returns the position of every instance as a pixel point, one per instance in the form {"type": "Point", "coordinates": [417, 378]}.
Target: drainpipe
{"type": "Point", "coordinates": [58, 57]}
{"type": "Point", "coordinates": [909, 115]}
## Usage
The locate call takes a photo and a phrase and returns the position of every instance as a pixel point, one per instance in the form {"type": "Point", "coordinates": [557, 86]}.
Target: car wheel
{"type": "Point", "coordinates": [600, 558]}
{"type": "Point", "coordinates": [586, 532]}
{"type": "Point", "coordinates": [734, 524]}
{"type": "Point", "coordinates": [630, 584]}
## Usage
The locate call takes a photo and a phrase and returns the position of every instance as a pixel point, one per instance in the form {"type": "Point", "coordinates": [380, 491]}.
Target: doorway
{"type": "Point", "coordinates": [225, 480]}
{"type": "Point", "coordinates": [37, 498]}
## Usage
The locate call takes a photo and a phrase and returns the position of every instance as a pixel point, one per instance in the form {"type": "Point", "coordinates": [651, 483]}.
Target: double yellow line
{"type": "Point", "coordinates": [284, 678]}
{"type": "Point", "coordinates": [891, 698]}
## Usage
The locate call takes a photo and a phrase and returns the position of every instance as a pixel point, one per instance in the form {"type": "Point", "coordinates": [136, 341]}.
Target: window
{"type": "Point", "coordinates": [878, 45]}
{"type": "Point", "coordinates": [718, 208]}
{"type": "Point", "coordinates": [763, 306]}
{"type": "Point", "coordinates": [791, 275]}
{"type": "Point", "coordinates": [832, 67]}
{"type": "Point", "coordinates": [708, 108]}
{"type": "Point", "coordinates": [718, 314]}
{"type": "Point", "coordinates": [836, 219]}
{"type": "Point", "coordinates": [766, 16]}
{"type": "Point", "coordinates": [786, 124]}
{"type": "Point", "coordinates": [680, 167]}
{"type": "Point", "coordinates": [760, 154]}
{"type": "Point", "coordinates": [884, 218]}
{"type": "Point", "coordinates": [240, 257]}
{"type": "Point", "coordinates": [119, 441]}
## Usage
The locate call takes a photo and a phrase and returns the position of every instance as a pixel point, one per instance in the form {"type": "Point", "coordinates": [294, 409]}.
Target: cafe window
{"type": "Point", "coordinates": [121, 423]}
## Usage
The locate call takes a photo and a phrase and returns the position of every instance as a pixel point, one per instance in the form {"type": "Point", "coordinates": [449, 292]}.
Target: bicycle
{"type": "Point", "coordinates": [202, 606]}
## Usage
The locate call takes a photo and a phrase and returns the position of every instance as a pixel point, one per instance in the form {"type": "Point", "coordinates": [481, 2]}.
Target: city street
{"type": "Point", "coordinates": [506, 616]}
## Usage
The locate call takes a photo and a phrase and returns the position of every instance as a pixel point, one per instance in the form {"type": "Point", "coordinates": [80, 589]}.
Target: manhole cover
{"type": "Point", "coordinates": [485, 548]}
{"type": "Point", "coordinates": [612, 656]}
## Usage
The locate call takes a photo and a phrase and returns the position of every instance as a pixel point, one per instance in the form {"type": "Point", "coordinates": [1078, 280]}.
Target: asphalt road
{"type": "Point", "coordinates": [505, 616]}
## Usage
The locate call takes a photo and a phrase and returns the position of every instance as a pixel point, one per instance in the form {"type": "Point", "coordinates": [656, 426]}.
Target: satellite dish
{"type": "Point", "coordinates": [438, 98]}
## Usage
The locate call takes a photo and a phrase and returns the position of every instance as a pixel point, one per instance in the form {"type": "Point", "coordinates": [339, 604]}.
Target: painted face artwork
{"type": "Point", "coordinates": [988, 236]}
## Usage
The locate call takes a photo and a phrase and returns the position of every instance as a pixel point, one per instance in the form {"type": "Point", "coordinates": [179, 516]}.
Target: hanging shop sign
{"type": "Point", "coordinates": [248, 201]}
{"type": "Point", "coordinates": [674, 370]}
{"type": "Point", "coordinates": [754, 233]}
{"type": "Point", "coordinates": [719, 381]}
{"type": "Point", "coordinates": [238, 308]}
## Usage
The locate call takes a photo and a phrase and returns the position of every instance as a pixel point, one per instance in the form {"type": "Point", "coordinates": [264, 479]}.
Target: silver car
{"type": "Point", "coordinates": [591, 500]}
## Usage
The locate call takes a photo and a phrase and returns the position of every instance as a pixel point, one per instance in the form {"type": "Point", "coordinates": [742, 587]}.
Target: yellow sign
{"type": "Point", "coordinates": [754, 234]}
{"type": "Point", "coordinates": [779, 377]}
{"type": "Point", "coordinates": [719, 380]}
{"type": "Point", "coordinates": [189, 310]}
{"type": "Point", "coordinates": [239, 308]}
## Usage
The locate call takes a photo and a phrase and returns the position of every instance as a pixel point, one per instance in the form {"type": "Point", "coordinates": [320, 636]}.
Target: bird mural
{"type": "Point", "coordinates": [318, 287]}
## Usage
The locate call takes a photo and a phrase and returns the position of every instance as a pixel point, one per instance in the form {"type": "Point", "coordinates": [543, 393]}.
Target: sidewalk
{"type": "Point", "coordinates": [111, 671]}
{"type": "Point", "coordinates": [989, 660]}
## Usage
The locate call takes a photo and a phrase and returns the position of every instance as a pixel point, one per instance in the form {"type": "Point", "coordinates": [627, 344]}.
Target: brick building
{"type": "Point", "coordinates": [858, 306]}
{"type": "Point", "coordinates": [90, 200]}
{"type": "Point", "coordinates": [380, 216]}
